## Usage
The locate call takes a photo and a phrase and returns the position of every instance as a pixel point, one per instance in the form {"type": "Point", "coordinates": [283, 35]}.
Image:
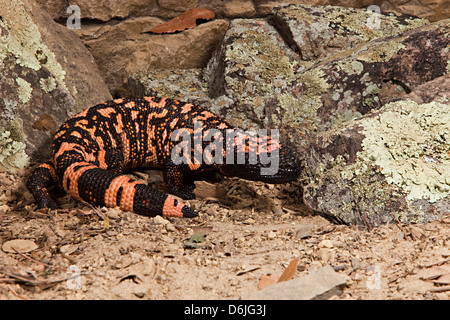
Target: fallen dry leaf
{"type": "Point", "coordinates": [268, 280]}
{"type": "Point", "coordinates": [289, 273]}
{"type": "Point", "coordinates": [187, 20]}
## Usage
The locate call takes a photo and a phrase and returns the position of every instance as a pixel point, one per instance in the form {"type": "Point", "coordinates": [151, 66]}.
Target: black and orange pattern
{"type": "Point", "coordinates": [91, 150]}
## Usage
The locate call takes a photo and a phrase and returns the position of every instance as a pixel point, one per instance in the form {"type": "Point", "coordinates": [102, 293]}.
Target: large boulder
{"type": "Point", "coordinates": [122, 50]}
{"type": "Point", "coordinates": [251, 65]}
{"type": "Point", "coordinates": [46, 75]}
{"type": "Point", "coordinates": [355, 82]}
{"type": "Point", "coordinates": [389, 166]}
{"type": "Point", "coordinates": [272, 85]}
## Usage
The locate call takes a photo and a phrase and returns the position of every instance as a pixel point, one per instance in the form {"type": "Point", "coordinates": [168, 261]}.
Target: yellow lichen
{"type": "Point", "coordinates": [410, 144]}
{"type": "Point", "coordinates": [24, 41]}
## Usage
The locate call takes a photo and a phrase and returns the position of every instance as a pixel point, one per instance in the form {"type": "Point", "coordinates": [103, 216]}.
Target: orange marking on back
{"type": "Point", "coordinates": [119, 126]}
{"type": "Point", "coordinates": [101, 159]}
{"type": "Point", "coordinates": [113, 141]}
{"type": "Point", "coordinates": [99, 140]}
{"type": "Point", "coordinates": [65, 146]}
{"type": "Point", "coordinates": [162, 114]}
{"type": "Point", "coordinates": [106, 112]}
{"type": "Point", "coordinates": [160, 104]}
{"type": "Point", "coordinates": [118, 101]}
{"type": "Point", "coordinates": [223, 125]}
{"type": "Point", "coordinates": [76, 134]}
{"type": "Point", "coordinates": [173, 123]}
{"type": "Point", "coordinates": [59, 134]}
{"type": "Point", "coordinates": [186, 108]}
{"type": "Point", "coordinates": [81, 123]}
{"type": "Point", "coordinates": [130, 104]}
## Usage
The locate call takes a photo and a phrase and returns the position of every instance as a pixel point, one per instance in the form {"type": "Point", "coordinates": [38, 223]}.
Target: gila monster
{"type": "Point", "coordinates": [93, 148]}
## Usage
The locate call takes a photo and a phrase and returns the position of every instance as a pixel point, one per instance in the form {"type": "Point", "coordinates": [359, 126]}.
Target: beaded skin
{"type": "Point", "coordinates": [93, 148]}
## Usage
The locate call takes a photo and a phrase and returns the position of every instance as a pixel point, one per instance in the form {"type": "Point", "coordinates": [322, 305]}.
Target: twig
{"type": "Point", "coordinates": [400, 225]}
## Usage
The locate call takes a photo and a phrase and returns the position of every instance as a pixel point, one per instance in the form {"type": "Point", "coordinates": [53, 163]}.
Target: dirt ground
{"type": "Point", "coordinates": [250, 230]}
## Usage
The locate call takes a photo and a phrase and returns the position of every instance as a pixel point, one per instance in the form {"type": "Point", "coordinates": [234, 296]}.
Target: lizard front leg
{"type": "Point", "coordinates": [174, 177]}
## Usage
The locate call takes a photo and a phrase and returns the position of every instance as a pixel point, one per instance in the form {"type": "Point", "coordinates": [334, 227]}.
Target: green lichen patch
{"type": "Point", "coordinates": [410, 144]}
{"type": "Point", "coordinates": [300, 110]}
{"type": "Point", "coordinates": [182, 84]}
{"type": "Point", "coordinates": [12, 148]}
{"type": "Point", "coordinates": [24, 90]}
{"type": "Point", "coordinates": [257, 62]}
{"type": "Point", "coordinates": [23, 39]}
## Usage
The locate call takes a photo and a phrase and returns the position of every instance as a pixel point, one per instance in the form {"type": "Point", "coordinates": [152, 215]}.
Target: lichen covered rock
{"type": "Point", "coordinates": [390, 165]}
{"type": "Point", "coordinates": [45, 71]}
{"type": "Point", "coordinates": [353, 83]}
{"type": "Point", "coordinates": [252, 65]}
{"type": "Point", "coordinates": [317, 32]}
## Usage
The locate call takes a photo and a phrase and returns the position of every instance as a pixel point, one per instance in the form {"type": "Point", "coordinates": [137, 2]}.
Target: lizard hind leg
{"type": "Point", "coordinates": [42, 178]}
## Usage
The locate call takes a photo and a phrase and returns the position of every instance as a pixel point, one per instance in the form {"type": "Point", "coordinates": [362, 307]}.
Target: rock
{"type": "Point", "coordinates": [433, 10]}
{"type": "Point", "coordinates": [47, 75]}
{"type": "Point", "coordinates": [181, 84]}
{"type": "Point", "coordinates": [135, 52]}
{"type": "Point", "coordinates": [271, 85]}
{"type": "Point", "coordinates": [356, 82]}
{"type": "Point", "coordinates": [318, 32]}
{"type": "Point", "coordinates": [252, 64]}
{"type": "Point", "coordinates": [390, 165]}
{"type": "Point", "coordinates": [105, 10]}
{"type": "Point", "coordinates": [19, 245]}
{"type": "Point", "coordinates": [318, 285]}
{"type": "Point", "coordinates": [239, 8]}
{"type": "Point", "coordinates": [434, 90]}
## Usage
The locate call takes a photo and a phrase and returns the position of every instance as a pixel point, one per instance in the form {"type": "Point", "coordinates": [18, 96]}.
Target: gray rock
{"type": "Point", "coordinates": [46, 75]}
{"type": "Point", "coordinates": [252, 65]}
{"type": "Point", "coordinates": [318, 285]}
{"type": "Point", "coordinates": [356, 82]}
{"type": "Point", "coordinates": [392, 165]}
{"type": "Point", "coordinates": [318, 32]}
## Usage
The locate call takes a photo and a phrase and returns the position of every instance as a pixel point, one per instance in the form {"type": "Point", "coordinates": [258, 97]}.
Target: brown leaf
{"type": "Point", "coordinates": [289, 273]}
{"type": "Point", "coordinates": [187, 20]}
{"type": "Point", "coordinates": [268, 280]}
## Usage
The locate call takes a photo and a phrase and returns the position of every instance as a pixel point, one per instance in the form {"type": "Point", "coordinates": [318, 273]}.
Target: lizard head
{"type": "Point", "coordinates": [260, 158]}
